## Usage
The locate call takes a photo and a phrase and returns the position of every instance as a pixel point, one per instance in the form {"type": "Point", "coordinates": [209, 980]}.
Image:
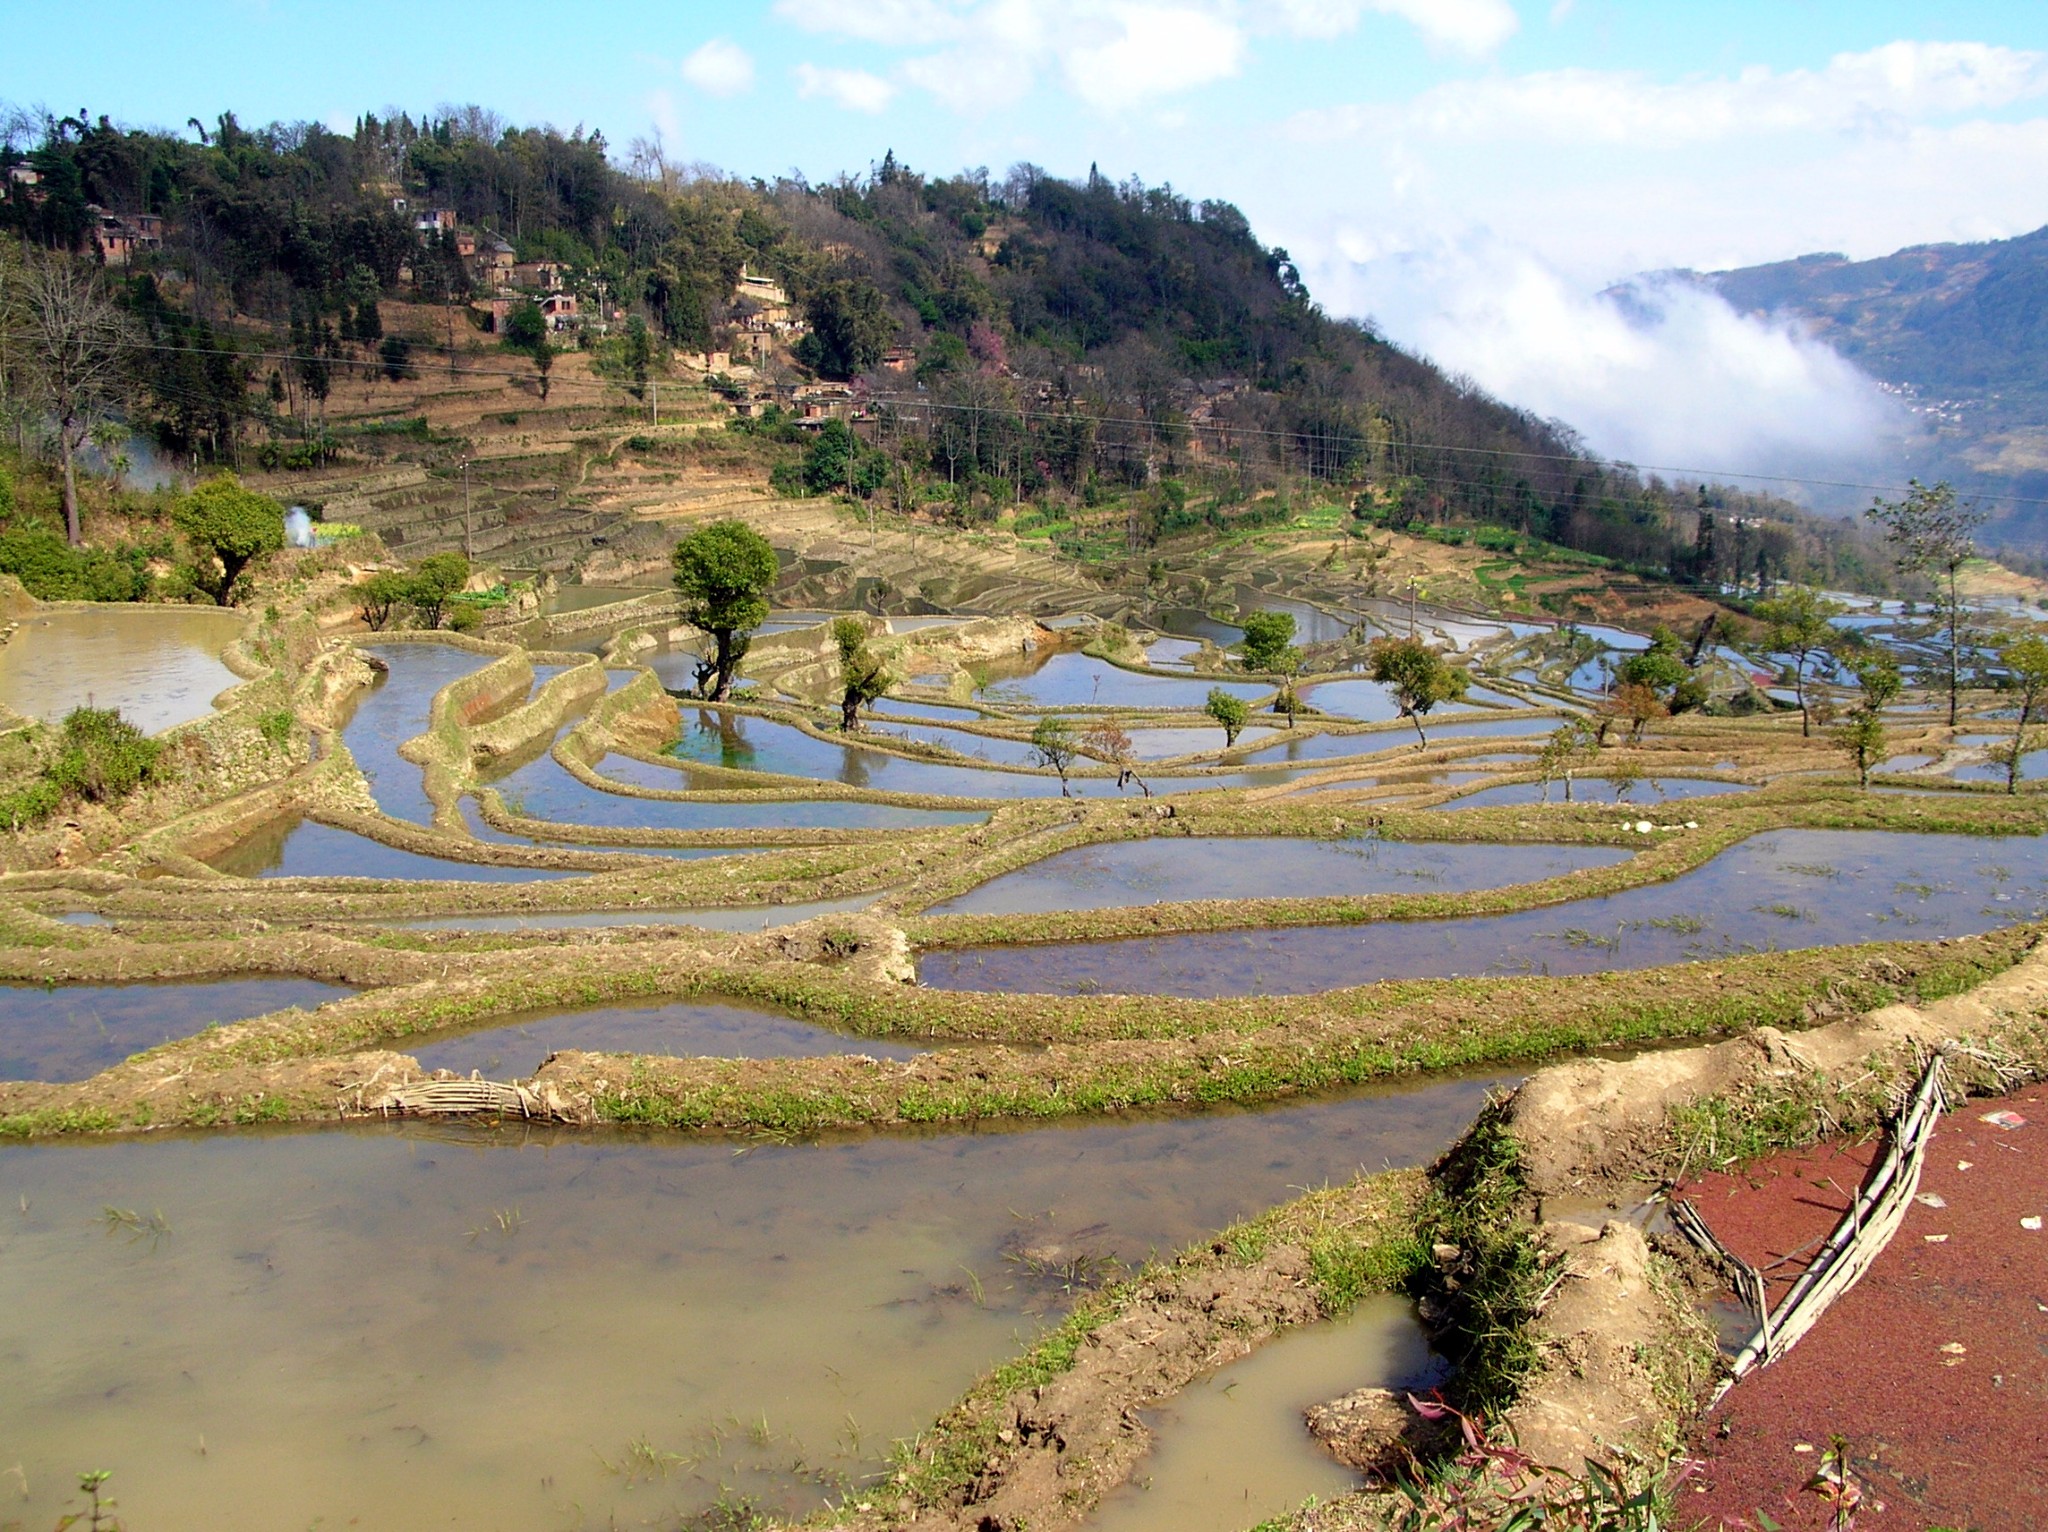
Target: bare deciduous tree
{"type": "Point", "coordinates": [73, 346]}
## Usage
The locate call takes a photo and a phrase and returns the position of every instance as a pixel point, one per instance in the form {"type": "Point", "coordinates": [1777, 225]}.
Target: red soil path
{"type": "Point", "coordinates": [1939, 1436]}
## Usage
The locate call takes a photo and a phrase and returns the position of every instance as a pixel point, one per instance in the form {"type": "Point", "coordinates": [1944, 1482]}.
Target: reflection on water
{"type": "Point", "coordinates": [1781, 891]}
{"type": "Point", "coordinates": [1231, 1450]}
{"type": "Point", "coordinates": [392, 712]}
{"type": "Point", "coordinates": [1263, 867]}
{"type": "Point", "coordinates": [434, 1326]}
{"type": "Point", "coordinates": [738, 917]}
{"type": "Point", "coordinates": [160, 665]}
{"type": "Point", "coordinates": [514, 1047]}
{"type": "Point", "coordinates": [1649, 792]}
{"type": "Point", "coordinates": [73, 1031]}
{"type": "Point", "coordinates": [300, 848]}
{"type": "Point", "coordinates": [1071, 679]}
{"type": "Point", "coordinates": [543, 789]}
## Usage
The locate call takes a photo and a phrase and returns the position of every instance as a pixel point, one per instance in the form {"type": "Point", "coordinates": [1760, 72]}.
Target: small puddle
{"type": "Point", "coordinates": [1231, 1450]}
{"type": "Point", "coordinates": [159, 665]}
{"type": "Point", "coordinates": [671, 1028]}
{"type": "Point", "coordinates": [64, 1032]}
{"type": "Point", "coordinates": [1264, 867]}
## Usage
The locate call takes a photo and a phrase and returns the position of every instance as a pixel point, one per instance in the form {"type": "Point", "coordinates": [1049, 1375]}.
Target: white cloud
{"type": "Point", "coordinates": [1878, 91]}
{"type": "Point", "coordinates": [854, 89]}
{"type": "Point", "coordinates": [1663, 373]}
{"type": "Point", "coordinates": [1115, 55]}
{"type": "Point", "coordinates": [720, 68]}
{"type": "Point", "coordinates": [1152, 51]}
{"type": "Point", "coordinates": [1469, 26]}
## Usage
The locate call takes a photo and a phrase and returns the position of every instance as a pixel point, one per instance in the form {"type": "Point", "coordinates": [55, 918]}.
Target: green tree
{"type": "Point", "coordinates": [1054, 746]}
{"type": "Point", "coordinates": [525, 327]}
{"type": "Point", "coordinates": [1229, 711]}
{"type": "Point", "coordinates": [1933, 534]}
{"type": "Point", "coordinates": [1861, 736]}
{"type": "Point", "coordinates": [102, 757]}
{"type": "Point", "coordinates": [1797, 623]}
{"type": "Point", "coordinates": [433, 582]}
{"type": "Point", "coordinates": [1418, 676]}
{"type": "Point", "coordinates": [723, 571]}
{"type": "Point", "coordinates": [2026, 675]}
{"type": "Point", "coordinates": [862, 675]}
{"type": "Point", "coordinates": [850, 329]}
{"type": "Point", "coordinates": [1269, 642]}
{"type": "Point", "coordinates": [394, 355]}
{"type": "Point", "coordinates": [381, 595]}
{"type": "Point", "coordinates": [836, 461]}
{"type": "Point", "coordinates": [1569, 746]}
{"type": "Point", "coordinates": [228, 527]}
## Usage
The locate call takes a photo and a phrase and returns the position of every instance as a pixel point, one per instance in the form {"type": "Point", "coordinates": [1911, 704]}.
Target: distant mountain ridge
{"type": "Point", "coordinates": [1963, 319]}
{"type": "Point", "coordinates": [1959, 332]}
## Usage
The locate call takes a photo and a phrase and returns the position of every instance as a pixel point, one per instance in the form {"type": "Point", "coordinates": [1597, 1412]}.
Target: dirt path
{"type": "Point", "coordinates": [1934, 1368]}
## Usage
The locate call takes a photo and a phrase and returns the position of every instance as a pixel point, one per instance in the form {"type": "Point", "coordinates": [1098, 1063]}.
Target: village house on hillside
{"type": "Point", "coordinates": [120, 238]}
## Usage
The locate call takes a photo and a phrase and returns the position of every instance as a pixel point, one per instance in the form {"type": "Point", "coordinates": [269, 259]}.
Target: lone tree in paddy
{"type": "Point", "coordinates": [861, 672]}
{"type": "Point", "coordinates": [2026, 676]}
{"type": "Point", "coordinates": [1861, 736]}
{"type": "Point", "coordinates": [228, 527]}
{"type": "Point", "coordinates": [1797, 623]}
{"type": "Point", "coordinates": [1229, 711]}
{"type": "Point", "coordinates": [1054, 745]}
{"type": "Point", "coordinates": [1269, 650]}
{"type": "Point", "coordinates": [1417, 675]}
{"type": "Point", "coordinates": [723, 573]}
{"type": "Point", "coordinates": [1934, 535]}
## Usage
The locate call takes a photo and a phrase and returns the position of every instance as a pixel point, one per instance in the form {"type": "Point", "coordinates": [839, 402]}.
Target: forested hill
{"type": "Point", "coordinates": [1101, 337]}
{"type": "Point", "coordinates": [1961, 332]}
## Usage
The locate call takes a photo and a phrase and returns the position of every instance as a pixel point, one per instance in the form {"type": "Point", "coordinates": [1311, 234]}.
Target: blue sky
{"type": "Point", "coordinates": [1471, 173]}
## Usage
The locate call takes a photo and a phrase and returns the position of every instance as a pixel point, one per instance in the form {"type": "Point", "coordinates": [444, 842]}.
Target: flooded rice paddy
{"type": "Point", "coordinates": [392, 712]}
{"type": "Point", "coordinates": [302, 848]}
{"type": "Point", "coordinates": [449, 1327]}
{"type": "Point", "coordinates": [73, 1031]}
{"type": "Point", "coordinates": [1648, 793]}
{"type": "Point", "coordinates": [1263, 867]}
{"type": "Point", "coordinates": [1071, 679]}
{"type": "Point", "coordinates": [736, 917]}
{"type": "Point", "coordinates": [1230, 1450]}
{"type": "Point", "coordinates": [1776, 892]}
{"type": "Point", "coordinates": [515, 1047]}
{"type": "Point", "coordinates": [160, 665]}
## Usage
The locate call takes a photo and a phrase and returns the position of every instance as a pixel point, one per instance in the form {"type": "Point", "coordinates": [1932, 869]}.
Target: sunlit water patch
{"type": "Point", "coordinates": [434, 1325]}
{"type": "Point", "coordinates": [1263, 867]}
{"type": "Point", "coordinates": [1777, 892]}
{"type": "Point", "coordinates": [159, 665]}
{"type": "Point", "coordinates": [73, 1031]}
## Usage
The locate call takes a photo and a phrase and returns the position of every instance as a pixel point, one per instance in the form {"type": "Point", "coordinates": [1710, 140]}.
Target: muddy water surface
{"type": "Point", "coordinates": [543, 789]}
{"type": "Point", "coordinates": [301, 848]}
{"type": "Point", "coordinates": [392, 712]}
{"type": "Point", "coordinates": [1072, 679]}
{"type": "Point", "coordinates": [1232, 1450]}
{"type": "Point", "coordinates": [73, 1031]}
{"type": "Point", "coordinates": [1647, 793]}
{"type": "Point", "coordinates": [447, 1327]}
{"type": "Point", "coordinates": [1263, 867]}
{"type": "Point", "coordinates": [677, 1028]}
{"type": "Point", "coordinates": [160, 665]}
{"type": "Point", "coordinates": [1777, 892]}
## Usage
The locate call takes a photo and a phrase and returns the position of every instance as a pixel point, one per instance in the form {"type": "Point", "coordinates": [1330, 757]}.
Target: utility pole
{"type": "Point", "coordinates": [654, 402]}
{"type": "Point", "coordinates": [468, 547]}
